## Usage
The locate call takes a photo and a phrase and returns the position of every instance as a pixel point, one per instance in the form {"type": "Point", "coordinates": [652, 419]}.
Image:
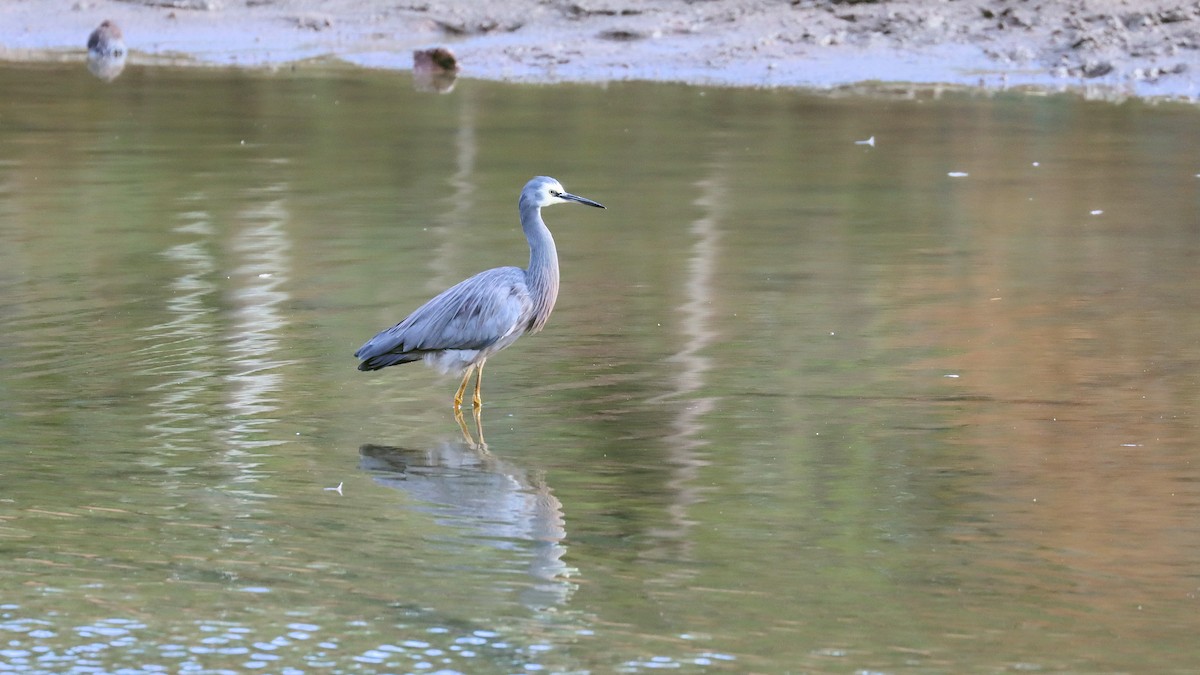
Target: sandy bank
{"type": "Point", "coordinates": [1122, 47]}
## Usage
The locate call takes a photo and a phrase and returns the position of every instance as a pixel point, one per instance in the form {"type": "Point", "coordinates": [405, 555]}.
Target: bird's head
{"type": "Point", "coordinates": [544, 191]}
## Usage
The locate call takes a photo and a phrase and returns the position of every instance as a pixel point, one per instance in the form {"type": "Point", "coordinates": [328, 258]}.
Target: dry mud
{"type": "Point", "coordinates": [1124, 47]}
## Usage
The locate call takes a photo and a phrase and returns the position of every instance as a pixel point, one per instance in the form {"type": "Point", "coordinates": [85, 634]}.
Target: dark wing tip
{"type": "Point", "coordinates": [385, 360]}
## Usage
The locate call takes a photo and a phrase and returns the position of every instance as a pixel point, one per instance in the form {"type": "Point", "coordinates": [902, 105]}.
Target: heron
{"type": "Point", "coordinates": [464, 325]}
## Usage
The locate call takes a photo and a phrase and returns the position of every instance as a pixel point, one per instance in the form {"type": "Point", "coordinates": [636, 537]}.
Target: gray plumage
{"type": "Point", "coordinates": [465, 324]}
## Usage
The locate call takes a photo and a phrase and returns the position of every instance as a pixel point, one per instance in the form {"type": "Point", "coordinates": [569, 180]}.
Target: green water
{"type": "Point", "coordinates": [805, 405]}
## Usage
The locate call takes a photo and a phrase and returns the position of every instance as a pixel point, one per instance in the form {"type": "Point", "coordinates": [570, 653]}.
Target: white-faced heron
{"type": "Point", "coordinates": [465, 324]}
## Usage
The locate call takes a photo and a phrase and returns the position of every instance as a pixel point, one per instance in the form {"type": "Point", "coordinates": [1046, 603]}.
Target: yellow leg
{"type": "Point", "coordinates": [462, 389]}
{"type": "Point", "coordinates": [478, 400]}
{"type": "Point", "coordinates": [479, 426]}
{"type": "Point", "coordinates": [462, 426]}
{"type": "Point", "coordinates": [477, 413]}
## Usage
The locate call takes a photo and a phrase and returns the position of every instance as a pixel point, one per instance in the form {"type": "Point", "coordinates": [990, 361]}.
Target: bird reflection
{"type": "Point", "coordinates": [106, 51]}
{"type": "Point", "coordinates": [479, 444]}
{"type": "Point", "coordinates": [492, 501]}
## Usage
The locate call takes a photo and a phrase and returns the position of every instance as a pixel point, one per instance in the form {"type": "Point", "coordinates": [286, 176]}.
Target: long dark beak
{"type": "Point", "coordinates": [582, 200]}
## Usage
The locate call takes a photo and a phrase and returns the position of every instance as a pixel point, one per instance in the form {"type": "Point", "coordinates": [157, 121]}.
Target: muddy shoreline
{"type": "Point", "coordinates": [1112, 48]}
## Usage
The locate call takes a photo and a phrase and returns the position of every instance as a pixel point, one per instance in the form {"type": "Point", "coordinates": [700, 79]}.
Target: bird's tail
{"type": "Point", "coordinates": [385, 360]}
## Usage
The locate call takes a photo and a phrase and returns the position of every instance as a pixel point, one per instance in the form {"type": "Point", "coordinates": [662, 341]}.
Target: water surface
{"type": "Point", "coordinates": [805, 404]}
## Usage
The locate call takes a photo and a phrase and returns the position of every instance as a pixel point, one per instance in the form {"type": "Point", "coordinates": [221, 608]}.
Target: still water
{"type": "Point", "coordinates": [805, 405]}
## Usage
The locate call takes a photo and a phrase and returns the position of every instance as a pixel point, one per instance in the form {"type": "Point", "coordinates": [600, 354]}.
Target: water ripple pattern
{"type": "Point", "coordinates": [183, 353]}
{"type": "Point", "coordinates": [261, 245]}
{"type": "Point", "coordinates": [125, 645]}
{"type": "Point", "coordinates": [214, 358]}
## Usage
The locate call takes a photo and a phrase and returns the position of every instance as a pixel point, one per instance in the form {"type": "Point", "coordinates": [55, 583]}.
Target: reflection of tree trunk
{"type": "Point", "coordinates": [690, 365]}
{"type": "Point", "coordinates": [184, 347]}
{"type": "Point", "coordinates": [262, 246]}
{"type": "Point", "coordinates": [187, 349]}
{"type": "Point", "coordinates": [449, 224]}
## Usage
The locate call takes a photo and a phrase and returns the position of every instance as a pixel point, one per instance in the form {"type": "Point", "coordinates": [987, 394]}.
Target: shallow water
{"type": "Point", "coordinates": [804, 405]}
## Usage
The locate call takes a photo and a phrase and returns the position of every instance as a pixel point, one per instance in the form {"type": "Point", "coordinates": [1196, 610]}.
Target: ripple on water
{"type": "Point", "coordinates": [124, 645]}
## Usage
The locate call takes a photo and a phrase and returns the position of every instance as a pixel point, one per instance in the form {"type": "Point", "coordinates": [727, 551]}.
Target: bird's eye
{"type": "Point", "coordinates": [555, 193]}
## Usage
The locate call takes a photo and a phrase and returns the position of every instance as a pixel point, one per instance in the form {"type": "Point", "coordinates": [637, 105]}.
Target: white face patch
{"type": "Point", "coordinates": [552, 192]}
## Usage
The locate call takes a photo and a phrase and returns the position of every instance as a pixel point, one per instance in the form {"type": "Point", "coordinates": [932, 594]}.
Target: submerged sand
{"type": "Point", "coordinates": [1121, 47]}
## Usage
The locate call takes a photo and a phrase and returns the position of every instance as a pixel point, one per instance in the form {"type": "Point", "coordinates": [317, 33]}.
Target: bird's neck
{"type": "Point", "coordinates": [543, 264]}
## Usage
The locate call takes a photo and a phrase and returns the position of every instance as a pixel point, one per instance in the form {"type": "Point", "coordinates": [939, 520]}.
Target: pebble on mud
{"type": "Point", "coordinates": [313, 22]}
{"type": "Point", "coordinates": [1095, 68]}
